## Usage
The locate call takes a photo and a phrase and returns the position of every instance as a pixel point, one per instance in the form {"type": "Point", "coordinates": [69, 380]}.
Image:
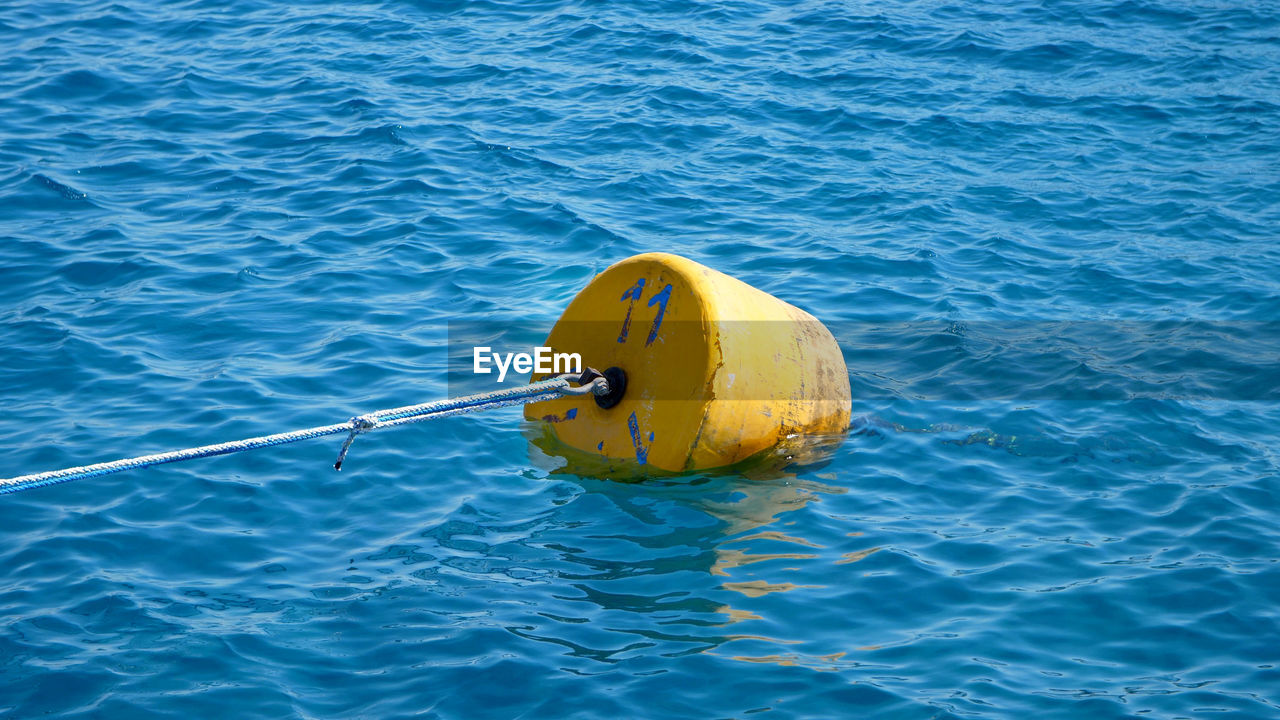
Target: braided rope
{"type": "Point", "coordinates": [545, 390]}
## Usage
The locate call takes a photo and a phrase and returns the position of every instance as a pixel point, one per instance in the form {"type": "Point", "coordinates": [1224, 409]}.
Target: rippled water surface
{"type": "Point", "coordinates": [1044, 233]}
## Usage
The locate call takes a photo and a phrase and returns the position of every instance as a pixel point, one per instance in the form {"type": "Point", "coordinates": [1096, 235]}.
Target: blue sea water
{"type": "Point", "coordinates": [1045, 234]}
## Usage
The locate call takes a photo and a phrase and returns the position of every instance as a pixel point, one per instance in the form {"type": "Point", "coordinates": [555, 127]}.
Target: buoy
{"type": "Point", "coordinates": [704, 371]}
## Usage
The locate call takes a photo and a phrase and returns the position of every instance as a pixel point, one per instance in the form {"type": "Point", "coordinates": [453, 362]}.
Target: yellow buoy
{"type": "Point", "coordinates": [706, 370]}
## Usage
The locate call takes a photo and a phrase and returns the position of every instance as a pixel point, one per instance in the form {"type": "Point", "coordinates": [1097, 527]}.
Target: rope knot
{"type": "Point", "coordinates": [359, 424]}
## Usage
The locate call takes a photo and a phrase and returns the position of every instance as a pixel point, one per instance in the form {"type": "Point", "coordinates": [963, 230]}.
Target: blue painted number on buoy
{"type": "Point", "coordinates": [661, 300]}
{"type": "Point", "coordinates": [633, 293]}
{"type": "Point", "coordinates": [642, 452]}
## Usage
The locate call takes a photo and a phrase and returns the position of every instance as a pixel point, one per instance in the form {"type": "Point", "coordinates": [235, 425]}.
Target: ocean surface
{"type": "Point", "coordinates": [1044, 233]}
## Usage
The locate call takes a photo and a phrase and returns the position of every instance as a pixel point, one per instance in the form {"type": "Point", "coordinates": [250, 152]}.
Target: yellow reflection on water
{"type": "Point", "coordinates": [776, 535]}
{"type": "Point", "coordinates": [726, 560]}
{"type": "Point", "coordinates": [757, 588]}
{"type": "Point", "coordinates": [855, 556]}
{"type": "Point", "coordinates": [751, 504]}
{"type": "Point", "coordinates": [756, 504]}
{"type": "Point", "coordinates": [822, 663]}
{"type": "Point", "coordinates": [736, 615]}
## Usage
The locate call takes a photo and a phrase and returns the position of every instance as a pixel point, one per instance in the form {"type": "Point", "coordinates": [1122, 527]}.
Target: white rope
{"type": "Point", "coordinates": [544, 390]}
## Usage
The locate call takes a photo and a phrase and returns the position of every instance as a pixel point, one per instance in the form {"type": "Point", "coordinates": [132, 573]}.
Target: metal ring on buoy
{"type": "Point", "coordinates": [707, 370]}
